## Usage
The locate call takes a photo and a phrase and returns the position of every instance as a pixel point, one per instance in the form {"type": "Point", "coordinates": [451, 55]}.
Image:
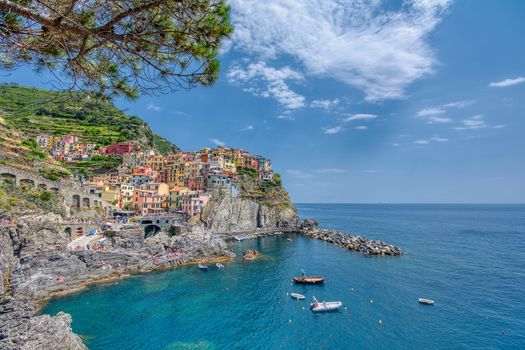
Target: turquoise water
{"type": "Point", "coordinates": [469, 258]}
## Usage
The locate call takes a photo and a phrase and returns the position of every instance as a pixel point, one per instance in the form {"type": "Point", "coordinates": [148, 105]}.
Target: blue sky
{"type": "Point", "coordinates": [363, 101]}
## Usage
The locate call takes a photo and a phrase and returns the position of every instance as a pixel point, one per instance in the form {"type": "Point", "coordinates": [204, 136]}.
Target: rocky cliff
{"type": "Point", "coordinates": [35, 263]}
{"type": "Point", "coordinates": [260, 205]}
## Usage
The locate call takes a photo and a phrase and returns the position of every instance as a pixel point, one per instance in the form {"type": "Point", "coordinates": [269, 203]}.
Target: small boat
{"type": "Point", "coordinates": [289, 239]}
{"type": "Point", "coordinates": [426, 301]}
{"type": "Point", "coordinates": [308, 279]}
{"type": "Point", "coordinates": [297, 296]}
{"type": "Point", "coordinates": [325, 306]}
{"type": "Point", "coordinates": [202, 267]}
{"type": "Point", "coordinates": [219, 266]}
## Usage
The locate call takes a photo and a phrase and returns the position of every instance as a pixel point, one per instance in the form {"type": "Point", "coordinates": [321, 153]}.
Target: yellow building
{"type": "Point", "coordinates": [110, 194]}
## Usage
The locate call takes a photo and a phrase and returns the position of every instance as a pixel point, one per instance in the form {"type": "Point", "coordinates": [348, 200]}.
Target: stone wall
{"type": "Point", "coordinates": [75, 195]}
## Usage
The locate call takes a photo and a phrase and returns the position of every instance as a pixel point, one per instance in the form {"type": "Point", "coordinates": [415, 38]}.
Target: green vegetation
{"type": "Point", "coordinates": [80, 113]}
{"type": "Point", "coordinates": [35, 152]}
{"type": "Point", "coordinates": [54, 173]}
{"type": "Point", "coordinates": [172, 231]}
{"type": "Point", "coordinates": [97, 162]}
{"type": "Point", "coordinates": [14, 198]}
{"type": "Point", "coordinates": [123, 47]}
{"type": "Point", "coordinates": [247, 171]}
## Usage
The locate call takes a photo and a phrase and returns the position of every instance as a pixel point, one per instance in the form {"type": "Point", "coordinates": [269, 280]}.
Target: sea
{"type": "Point", "coordinates": [470, 259]}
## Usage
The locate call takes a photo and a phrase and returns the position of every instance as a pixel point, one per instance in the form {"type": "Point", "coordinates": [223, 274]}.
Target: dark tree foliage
{"type": "Point", "coordinates": [120, 47]}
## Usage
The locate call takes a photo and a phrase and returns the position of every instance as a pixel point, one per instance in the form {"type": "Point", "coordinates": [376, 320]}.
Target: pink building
{"type": "Point", "coordinates": [117, 148]}
{"type": "Point", "coordinates": [193, 205]}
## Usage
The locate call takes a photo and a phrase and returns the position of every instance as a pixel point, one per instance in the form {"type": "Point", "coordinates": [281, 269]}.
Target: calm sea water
{"type": "Point", "coordinates": [469, 258]}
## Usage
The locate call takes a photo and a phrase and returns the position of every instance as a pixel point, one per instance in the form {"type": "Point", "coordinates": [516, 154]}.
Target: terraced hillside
{"type": "Point", "coordinates": [95, 119]}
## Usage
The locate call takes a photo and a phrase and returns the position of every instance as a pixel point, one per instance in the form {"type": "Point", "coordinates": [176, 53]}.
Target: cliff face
{"type": "Point", "coordinates": [258, 206]}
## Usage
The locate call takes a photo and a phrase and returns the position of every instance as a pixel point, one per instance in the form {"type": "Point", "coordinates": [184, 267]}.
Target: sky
{"type": "Point", "coordinates": [364, 101]}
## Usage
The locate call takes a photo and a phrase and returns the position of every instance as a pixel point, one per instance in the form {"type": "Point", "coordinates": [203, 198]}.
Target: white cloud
{"type": "Point", "coordinates": [508, 82]}
{"type": "Point", "coordinates": [217, 142]}
{"type": "Point", "coordinates": [324, 104]}
{"type": "Point", "coordinates": [499, 126]}
{"type": "Point", "coordinates": [334, 130]}
{"type": "Point", "coordinates": [331, 170]}
{"type": "Point", "coordinates": [437, 120]}
{"type": "Point", "coordinates": [248, 128]}
{"type": "Point", "coordinates": [396, 144]}
{"type": "Point", "coordinates": [430, 111]}
{"type": "Point", "coordinates": [475, 122]}
{"type": "Point", "coordinates": [433, 115]}
{"type": "Point", "coordinates": [361, 127]}
{"type": "Point", "coordinates": [432, 139]}
{"type": "Point", "coordinates": [459, 104]}
{"type": "Point", "coordinates": [359, 116]}
{"type": "Point", "coordinates": [286, 117]}
{"type": "Point", "coordinates": [153, 107]}
{"type": "Point", "coordinates": [358, 42]}
{"type": "Point", "coordinates": [371, 171]}
{"type": "Point", "coordinates": [261, 80]}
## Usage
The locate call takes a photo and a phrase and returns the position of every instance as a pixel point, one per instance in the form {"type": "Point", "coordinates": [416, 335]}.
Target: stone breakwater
{"type": "Point", "coordinates": [355, 243]}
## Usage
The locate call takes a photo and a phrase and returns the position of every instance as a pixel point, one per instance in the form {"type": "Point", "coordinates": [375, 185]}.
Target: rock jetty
{"type": "Point", "coordinates": [351, 242]}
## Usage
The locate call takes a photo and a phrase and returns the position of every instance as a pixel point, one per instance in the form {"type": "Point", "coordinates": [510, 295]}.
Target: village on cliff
{"type": "Point", "coordinates": [147, 183]}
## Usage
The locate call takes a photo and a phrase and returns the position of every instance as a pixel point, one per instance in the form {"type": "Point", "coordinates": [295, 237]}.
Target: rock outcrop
{"type": "Point", "coordinates": [250, 254]}
{"type": "Point", "coordinates": [34, 264]}
{"type": "Point", "coordinates": [224, 215]}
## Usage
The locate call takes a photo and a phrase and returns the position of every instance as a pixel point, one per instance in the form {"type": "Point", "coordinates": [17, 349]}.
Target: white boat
{"type": "Point", "coordinates": [219, 266]}
{"type": "Point", "coordinates": [297, 296]}
{"type": "Point", "coordinates": [202, 267]}
{"type": "Point", "coordinates": [325, 306]}
{"type": "Point", "coordinates": [426, 301]}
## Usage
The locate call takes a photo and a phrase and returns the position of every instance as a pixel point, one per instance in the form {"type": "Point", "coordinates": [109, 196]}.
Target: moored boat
{"type": "Point", "coordinates": [308, 279]}
{"type": "Point", "coordinates": [202, 267]}
{"type": "Point", "coordinates": [425, 301]}
{"type": "Point", "coordinates": [324, 306]}
{"type": "Point", "coordinates": [219, 266]}
{"type": "Point", "coordinates": [297, 296]}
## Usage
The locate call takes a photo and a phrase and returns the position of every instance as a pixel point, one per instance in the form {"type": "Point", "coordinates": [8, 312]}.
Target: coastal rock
{"type": "Point", "coordinates": [230, 215]}
{"type": "Point", "coordinates": [250, 254]}
{"type": "Point", "coordinates": [46, 332]}
{"type": "Point", "coordinates": [234, 215]}
{"type": "Point", "coordinates": [356, 243]}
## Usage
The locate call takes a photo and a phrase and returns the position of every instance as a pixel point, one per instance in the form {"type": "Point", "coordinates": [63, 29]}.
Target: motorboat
{"type": "Point", "coordinates": [202, 267]}
{"type": "Point", "coordinates": [325, 306]}
{"type": "Point", "coordinates": [308, 279]}
{"type": "Point", "coordinates": [297, 296]}
{"type": "Point", "coordinates": [425, 301]}
{"type": "Point", "coordinates": [219, 266]}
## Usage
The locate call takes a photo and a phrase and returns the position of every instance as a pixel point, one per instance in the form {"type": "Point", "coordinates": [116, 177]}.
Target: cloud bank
{"type": "Point", "coordinates": [357, 42]}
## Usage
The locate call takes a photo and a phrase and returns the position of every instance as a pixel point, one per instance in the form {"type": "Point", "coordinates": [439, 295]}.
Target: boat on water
{"type": "Point", "coordinates": [303, 279]}
{"type": "Point", "coordinates": [202, 267]}
{"type": "Point", "coordinates": [425, 301]}
{"type": "Point", "coordinates": [297, 296]}
{"type": "Point", "coordinates": [219, 266]}
{"type": "Point", "coordinates": [325, 306]}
